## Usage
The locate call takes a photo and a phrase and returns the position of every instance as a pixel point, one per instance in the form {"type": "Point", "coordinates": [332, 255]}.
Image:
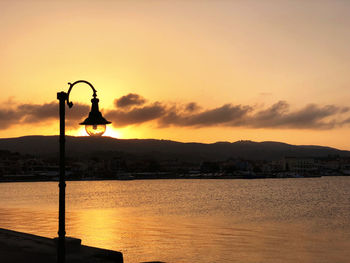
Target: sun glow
{"type": "Point", "coordinates": [111, 132]}
{"type": "Point", "coordinates": [78, 132]}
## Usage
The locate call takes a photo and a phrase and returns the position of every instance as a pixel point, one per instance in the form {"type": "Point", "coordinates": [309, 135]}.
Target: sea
{"type": "Point", "coordinates": [193, 220]}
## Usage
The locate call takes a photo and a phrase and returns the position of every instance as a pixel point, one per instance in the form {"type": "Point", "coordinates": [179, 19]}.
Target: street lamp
{"type": "Point", "coordinates": [95, 125]}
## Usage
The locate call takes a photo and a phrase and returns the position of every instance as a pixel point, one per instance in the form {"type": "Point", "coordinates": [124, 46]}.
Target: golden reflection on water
{"type": "Point", "coordinates": [95, 226]}
{"type": "Point", "coordinates": [176, 239]}
{"type": "Point", "coordinates": [162, 238]}
{"type": "Point", "coordinates": [193, 221]}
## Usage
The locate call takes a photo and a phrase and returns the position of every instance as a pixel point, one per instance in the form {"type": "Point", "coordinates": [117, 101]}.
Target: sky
{"type": "Point", "coordinates": [190, 71]}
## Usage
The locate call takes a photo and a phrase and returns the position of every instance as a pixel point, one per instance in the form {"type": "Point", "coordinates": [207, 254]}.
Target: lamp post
{"type": "Point", "coordinates": [95, 125]}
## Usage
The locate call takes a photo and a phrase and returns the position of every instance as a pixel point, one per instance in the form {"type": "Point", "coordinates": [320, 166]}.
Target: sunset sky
{"type": "Point", "coordinates": [201, 71]}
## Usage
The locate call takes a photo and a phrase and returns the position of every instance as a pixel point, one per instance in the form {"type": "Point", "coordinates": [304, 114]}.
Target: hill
{"type": "Point", "coordinates": [82, 146]}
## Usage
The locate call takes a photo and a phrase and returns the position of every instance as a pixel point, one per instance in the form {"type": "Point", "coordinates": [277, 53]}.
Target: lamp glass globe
{"type": "Point", "coordinates": [95, 130]}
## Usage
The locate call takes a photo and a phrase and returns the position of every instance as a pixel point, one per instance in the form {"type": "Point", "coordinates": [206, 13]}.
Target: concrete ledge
{"type": "Point", "coordinates": [22, 247]}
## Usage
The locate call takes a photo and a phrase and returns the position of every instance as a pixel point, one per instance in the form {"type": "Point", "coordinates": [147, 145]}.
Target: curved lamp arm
{"type": "Point", "coordinates": [69, 103]}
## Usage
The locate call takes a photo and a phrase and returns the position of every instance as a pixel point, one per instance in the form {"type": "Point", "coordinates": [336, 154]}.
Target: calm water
{"type": "Point", "coordinates": [282, 220]}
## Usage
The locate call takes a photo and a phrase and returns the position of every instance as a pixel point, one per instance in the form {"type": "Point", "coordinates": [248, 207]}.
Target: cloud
{"type": "Point", "coordinates": [212, 117]}
{"type": "Point", "coordinates": [311, 116]}
{"type": "Point", "coordinates": [8, 118]}
{"type": "Point", "coordinates": [36, 113]}
{"type": "Point", "coordinates": [276, 116]}
{"type": "Point", "coordinates": [135, 115]}
{"type": "Point", "coordinates": [133, 109]}
{"type": "Point", "coordinates": [131, 99]}
{"type": "Point", "coordinates": [32, 113]}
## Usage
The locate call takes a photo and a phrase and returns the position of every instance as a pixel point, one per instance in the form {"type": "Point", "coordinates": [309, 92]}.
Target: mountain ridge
{"type": "Point", "coordinates": [76, 146]}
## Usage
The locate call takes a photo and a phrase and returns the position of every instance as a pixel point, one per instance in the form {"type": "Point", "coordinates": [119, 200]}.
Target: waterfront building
{"type": "Point", "coordinates": [300, 164]}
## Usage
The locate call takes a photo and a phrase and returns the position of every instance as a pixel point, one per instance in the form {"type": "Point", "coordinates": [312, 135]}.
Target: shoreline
{"type": "Point", "coordinates": [157, 177]}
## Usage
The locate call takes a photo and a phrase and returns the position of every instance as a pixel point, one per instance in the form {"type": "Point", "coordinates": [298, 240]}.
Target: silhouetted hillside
{"type": "Point", "coordinates": [80, 146]}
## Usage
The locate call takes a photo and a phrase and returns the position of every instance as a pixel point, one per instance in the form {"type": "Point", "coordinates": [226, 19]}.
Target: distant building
{"type": "Point", "coordinates": [232, 165]}
{"type": "Point", "coordinates": [300, 164]}
{"type": "Point", "coordinates": [277, 166]}
{"type": "Point", "coordinates": [209, 167]}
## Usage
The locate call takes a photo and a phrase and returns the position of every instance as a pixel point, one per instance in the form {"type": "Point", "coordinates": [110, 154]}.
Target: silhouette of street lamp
{"type": "Point", "coordinates": [95, 125]}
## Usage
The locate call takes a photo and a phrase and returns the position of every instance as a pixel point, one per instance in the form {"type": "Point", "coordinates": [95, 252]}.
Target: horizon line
{"type": "Point", "coordinates": [124, 139]}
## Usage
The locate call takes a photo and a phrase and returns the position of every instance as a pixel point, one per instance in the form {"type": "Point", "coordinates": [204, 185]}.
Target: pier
{"type": "Point", "coordinates": [22, 247]}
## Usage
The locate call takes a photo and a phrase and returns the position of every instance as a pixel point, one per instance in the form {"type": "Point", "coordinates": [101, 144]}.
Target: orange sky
{"type": "Point", "coordinates": [253, 70]}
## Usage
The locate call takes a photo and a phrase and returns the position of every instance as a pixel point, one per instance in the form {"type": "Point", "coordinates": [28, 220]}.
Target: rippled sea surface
{"type": "Point", "coordinates": [272, 220]}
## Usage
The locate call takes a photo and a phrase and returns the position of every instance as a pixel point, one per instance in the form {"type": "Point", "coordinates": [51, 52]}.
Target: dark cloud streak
{"type": "Point", "coordinates": [310, 117]}
{"type": "Point", "coordinates": [277, 116]}
{"type": "Point", "coordinates": [36, 113]}
{"type": "Point", "coordinates": [131, 99]}
{"type": "Point", "coordinates": [133, 110]}
{"type": "Point", "coordinates": [214, 117]}
{"type": "Point", "coordinates": [121, 118]}
{"type": "Point", "coordinates": [8, 118]}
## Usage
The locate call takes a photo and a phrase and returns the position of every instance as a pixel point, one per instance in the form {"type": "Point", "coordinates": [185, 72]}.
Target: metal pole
{"type": "Point", "coordinates": [61, 247]}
